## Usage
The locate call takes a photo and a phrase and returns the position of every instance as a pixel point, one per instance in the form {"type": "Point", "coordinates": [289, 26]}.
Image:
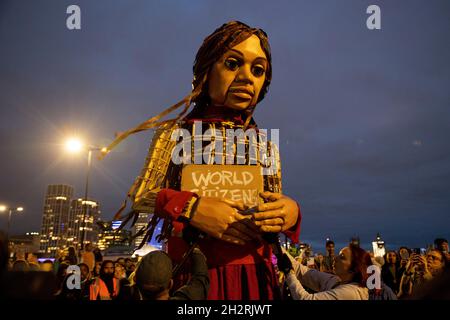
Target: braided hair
{"type": "Point", "coordinates": [213, 48]}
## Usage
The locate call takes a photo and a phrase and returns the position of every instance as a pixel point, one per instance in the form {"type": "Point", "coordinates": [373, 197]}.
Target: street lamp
{"type": "Point", "coordinates": [74, 145]}
{"type": "Point", "coordinates": [4, 208]}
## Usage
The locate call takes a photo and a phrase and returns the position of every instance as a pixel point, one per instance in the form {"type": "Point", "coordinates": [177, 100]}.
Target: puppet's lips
{"type": "Point", "coordinates": [241, 92]}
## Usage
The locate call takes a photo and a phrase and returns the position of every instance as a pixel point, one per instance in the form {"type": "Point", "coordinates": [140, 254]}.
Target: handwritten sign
{"type": "Point", "coordinates": [234, 182]}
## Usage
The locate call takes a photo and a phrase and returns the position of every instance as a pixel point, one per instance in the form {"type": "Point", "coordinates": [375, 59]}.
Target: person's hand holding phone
{"type": "Point", "coordinates": [424, 267]}
{"type": "Point", "coordinates": [421, 264]}
{"type": "Point", "coordinates": [412, 263]}
{"type": "Point", "coordinates": [403, 263]}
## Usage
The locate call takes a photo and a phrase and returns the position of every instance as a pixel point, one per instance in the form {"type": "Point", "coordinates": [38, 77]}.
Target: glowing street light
{"type": "Point", "coordinates": [74, 145]}
{"type": "Point", "coordinates": [4, 208]}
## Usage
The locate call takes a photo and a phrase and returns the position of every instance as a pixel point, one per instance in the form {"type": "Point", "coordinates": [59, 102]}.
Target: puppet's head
{"type": "Point", "coordinates": [232, 68]}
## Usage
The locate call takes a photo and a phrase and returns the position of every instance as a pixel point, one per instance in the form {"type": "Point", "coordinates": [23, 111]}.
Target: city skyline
{"type": "Point", "coordinates": [363, 114]}
{"type": "Point", "coordinates": [62, 226]}
{"type": "Point", "coordinates": [67, 220]}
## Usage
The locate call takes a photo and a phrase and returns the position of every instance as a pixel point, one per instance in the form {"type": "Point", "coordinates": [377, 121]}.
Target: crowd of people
{"type": "Point", "coordinates": [23, 276]}
{"type": "Point", "coordinates": [405, 274]}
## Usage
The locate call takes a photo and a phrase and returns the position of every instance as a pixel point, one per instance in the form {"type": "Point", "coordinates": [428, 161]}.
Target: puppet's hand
{"type": "Point", "coordinates": [220, 218]}
{"type": "Point", "coordinates": [278, 214]}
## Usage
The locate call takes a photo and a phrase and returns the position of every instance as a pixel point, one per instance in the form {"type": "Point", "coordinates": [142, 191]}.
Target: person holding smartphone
{"type": "Point", "coordinates": [441, 244]}
{"type": "Point", "coordinates": [420, 269]}
{"type": "Point", "coordinates": [404, 253]}
{"type": "Point", "coordinates": [348, 283]}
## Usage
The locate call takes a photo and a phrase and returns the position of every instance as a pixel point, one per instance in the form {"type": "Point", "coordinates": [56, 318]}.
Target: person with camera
{"type": "Point", "coordinates": [403, 253]}
{"type": "Point", "coordinates": [349, 283]}
{"type": "Point", "coordinates": [419, 270]}
{"type": "Point", "coordinates": [441, 244]}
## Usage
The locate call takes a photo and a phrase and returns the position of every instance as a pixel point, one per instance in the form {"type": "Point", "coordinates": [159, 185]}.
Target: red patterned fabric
{"type": "Point", "coordinates": [170, 203]}
{"type": "Point", "coordinates": [243, 282]}
{"type": "Point", "coordinates": [236, 272]}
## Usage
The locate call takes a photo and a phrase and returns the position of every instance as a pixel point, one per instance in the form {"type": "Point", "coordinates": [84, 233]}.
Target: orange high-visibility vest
{"type": "Point", "coordinates": [98, 287]}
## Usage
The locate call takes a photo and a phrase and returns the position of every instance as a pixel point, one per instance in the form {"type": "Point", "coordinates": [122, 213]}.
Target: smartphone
{"type": "Point", "coordinates": [416, 251]}
{"type": "Point", "coordinates": [404, 255]}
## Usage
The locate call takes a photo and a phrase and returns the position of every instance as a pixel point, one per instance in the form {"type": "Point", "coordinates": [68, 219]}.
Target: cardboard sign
{"type": "Point", "coordinates": [234, 182]}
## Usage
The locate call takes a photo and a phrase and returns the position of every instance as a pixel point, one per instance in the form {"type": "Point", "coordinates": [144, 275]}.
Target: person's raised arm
{"type": "Point", "coordinates": [311, 278]}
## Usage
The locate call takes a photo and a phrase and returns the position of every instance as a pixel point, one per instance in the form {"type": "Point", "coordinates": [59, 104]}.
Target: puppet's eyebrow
{"type": "Point", "coordinates": [242, 55]}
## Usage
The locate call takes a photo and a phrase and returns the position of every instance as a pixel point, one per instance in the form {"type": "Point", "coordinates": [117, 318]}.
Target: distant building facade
{"type": "Point", "coordinates": [26, 243]}
{"type": "Point", "coordinates": [142, 222]}
{"type": "Point", "coordinates": [62, 220]}
{"type": "Point", "coordinates": [109, 237]}
{"type": "Point", "coordinates": [89, 211]}
{"type": "Point", "coordinates": [378, 246]}
{"type": "Point", "coordinates": [55, 218]}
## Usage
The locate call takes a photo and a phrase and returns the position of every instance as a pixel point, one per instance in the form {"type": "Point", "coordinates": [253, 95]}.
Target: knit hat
{"type": "Point", "coordinates": [154, 271]}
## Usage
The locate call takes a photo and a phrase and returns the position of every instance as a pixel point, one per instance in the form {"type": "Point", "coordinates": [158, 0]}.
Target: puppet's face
{"type": "Point", "coordinates": [237, 78]}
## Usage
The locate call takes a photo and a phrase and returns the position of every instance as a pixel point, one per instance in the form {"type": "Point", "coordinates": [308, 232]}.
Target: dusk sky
{"type": "Point", "coordinates": [364, 115]}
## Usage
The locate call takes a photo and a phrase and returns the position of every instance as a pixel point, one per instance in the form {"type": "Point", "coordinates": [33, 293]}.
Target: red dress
{"type": "Point", "coordinates": [236, 272]}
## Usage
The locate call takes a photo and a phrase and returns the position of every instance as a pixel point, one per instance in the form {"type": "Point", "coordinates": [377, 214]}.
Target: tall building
{"type": "Point", "coordinates": [142, 222]}
{"type": "Point", "coordinates": [109, 237]}
{"type": "Point", "coordinates": [378, 245]}
{"type": "Point", "coordinates": [90, 211]}
{"type": "Point", "coordinates": [62, 220]}
{"type": "Point", "coordinates": [355, 241]}
{"type": "Point", "coordinates": [55, 218]}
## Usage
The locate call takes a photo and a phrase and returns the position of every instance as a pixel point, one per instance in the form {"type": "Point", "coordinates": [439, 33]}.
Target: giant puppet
{"type": "Point", "coordinates": [232, 73]}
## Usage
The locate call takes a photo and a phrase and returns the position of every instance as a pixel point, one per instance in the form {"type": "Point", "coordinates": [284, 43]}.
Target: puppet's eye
{"type": "Point", "coordinates": [258, 71]}
{"type": "Point", "coordinates": [232, 64]}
